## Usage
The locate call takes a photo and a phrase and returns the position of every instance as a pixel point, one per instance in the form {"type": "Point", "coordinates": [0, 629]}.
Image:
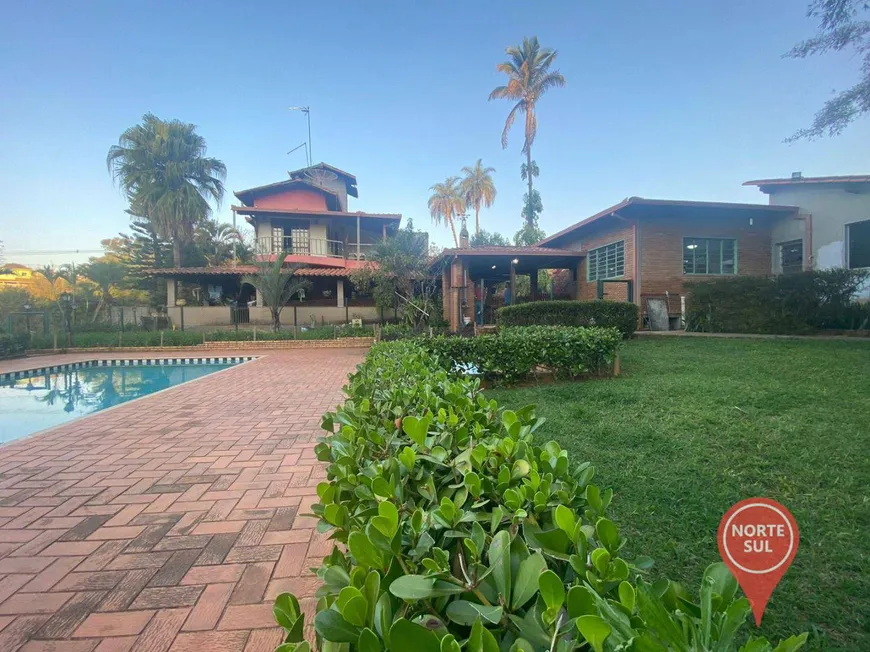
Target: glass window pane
{"type": "Point", "coordinates": [714, 256]}
{"type": "Point", "coordinates": [859, 244]}
{"type": "Point", "coordinates": [729, 257]}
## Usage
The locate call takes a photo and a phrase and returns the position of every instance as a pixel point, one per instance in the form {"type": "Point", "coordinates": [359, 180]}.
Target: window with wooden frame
{"type": "Point", "coordinates": [706, 256]}
{"type": "Point", "coordinates": [791, 256]}
{"type": "Point", "coordinates": [858, 243]}
{"type": "Point", "coordinates": [606, 262]}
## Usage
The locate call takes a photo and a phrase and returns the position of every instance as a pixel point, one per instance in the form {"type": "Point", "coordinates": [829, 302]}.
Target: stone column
{"type": "Point", "coordinates": [171, 286]}
{"type": "Point", "coordinates": [259, 299]}
{"type": "Point", "coordinates": [339, 292]}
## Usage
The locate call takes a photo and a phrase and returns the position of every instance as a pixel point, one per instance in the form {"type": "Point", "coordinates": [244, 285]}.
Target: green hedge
{"type": "Point", "coordinates": [13, 345]}
{"type": "Point", "coordinates": [618, 314]}
{"type": "Point", "coordinates": [514, 354]}
{"type": "Point", "coordinates": [798, 304]}
{"type": "Point", "coordinates": [139, 338]}
{"type": "Point", "coordinates": [457, 533]}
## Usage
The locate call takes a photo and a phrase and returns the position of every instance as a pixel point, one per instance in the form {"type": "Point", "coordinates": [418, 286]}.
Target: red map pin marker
{"type": "Point", "coordinates": [758, 539]}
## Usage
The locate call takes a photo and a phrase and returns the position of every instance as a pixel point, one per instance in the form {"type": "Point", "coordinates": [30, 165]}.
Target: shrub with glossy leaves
{"type": "Point", "coordinates": [458, 533]}
{"type": "Point", "coordinates": [611, 314]}
{"type": "Point", "coordinates": [514, 354]}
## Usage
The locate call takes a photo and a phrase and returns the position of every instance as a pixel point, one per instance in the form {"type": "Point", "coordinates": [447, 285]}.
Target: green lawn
{"type": "Point", "coordinates": [694, 425]}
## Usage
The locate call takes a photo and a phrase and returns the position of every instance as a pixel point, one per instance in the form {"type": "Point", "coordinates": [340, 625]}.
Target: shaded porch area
{"type": "Point", "coordinates": [476, 282]}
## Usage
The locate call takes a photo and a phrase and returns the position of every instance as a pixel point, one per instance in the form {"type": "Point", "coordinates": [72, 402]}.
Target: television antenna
{"type": "Point", "coordinates": [307, 111]}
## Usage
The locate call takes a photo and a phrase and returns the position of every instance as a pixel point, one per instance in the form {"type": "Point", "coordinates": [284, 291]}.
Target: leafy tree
{"type": "Point", "coordinates": [107, 274]}
{"type": "Point", "coordinates": [276, 284]}
{"type": "Point", "coordinates": [487, 239]}
{"type": "Point", "coordinates": [478, 189]}
{"type": "Point", "coordinates": [400, 274]}
{"type": "Point", "coordinates": [529, 235]}
{"type": "Point", "coordinates": [215, 242]}
{"type": "Point", "coordinates": [529, 77]}
{"type": "Point", "coordinates": [446, 202]}
{"type": "Point", "coordinates": [55, 280]}
{"type": "Point", "coordinates": [840, 30]}
{"type": "Point", "coordinates": [162, 168]}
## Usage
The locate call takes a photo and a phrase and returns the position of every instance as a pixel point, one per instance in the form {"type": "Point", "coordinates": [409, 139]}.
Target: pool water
{"type": "Point", "coordinates": [47, 399]}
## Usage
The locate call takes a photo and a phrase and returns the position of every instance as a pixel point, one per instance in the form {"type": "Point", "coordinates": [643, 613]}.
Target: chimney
{"type": "Point", "coordinates": [796, 175]}
{"type": "Point", "coordinates": [463, 235]}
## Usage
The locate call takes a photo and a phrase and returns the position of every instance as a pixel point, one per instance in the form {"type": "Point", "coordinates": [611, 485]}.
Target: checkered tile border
{"type": "Point", "coordinates": [137, 362]}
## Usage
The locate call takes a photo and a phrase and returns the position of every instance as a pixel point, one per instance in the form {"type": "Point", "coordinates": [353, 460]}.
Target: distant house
{"type": "Point", "coordinates": [642, 249]}
{"type": "Point", "coordinates": [15, 275]}
{"type": "Point", "coordinates": [306, 217]}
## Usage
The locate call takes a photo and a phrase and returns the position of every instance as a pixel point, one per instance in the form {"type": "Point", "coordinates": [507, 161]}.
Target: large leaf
{"type": "Point", "coordinates": [289, 616]}
{"type": "Point", "coordinates": [481, 639]}
{"type": "Point", "coordinates": [332, 626]}
{"type": "Point", "coordinates": [594, 630]}
{"type": "Point", "coordinates": [405, 635]}
{"type": "Point", "coordinates": [463, 612]}
{"type": "Point", "coordinates": [552, 589]}
{"type": "Point", "coordinates": [419, 587]}
{"type": "Point", "coordinates": [363, 551]}
{"type": "Point", "coordinates": [525, 585]}
{"type": "Point", "coordinates": [500, 562]}
{"type": "Point", "coordinates": [369, 642]}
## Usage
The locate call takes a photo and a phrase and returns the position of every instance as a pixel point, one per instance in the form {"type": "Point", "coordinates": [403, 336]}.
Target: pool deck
{"type": "Point", "coordinates": [171, 522]}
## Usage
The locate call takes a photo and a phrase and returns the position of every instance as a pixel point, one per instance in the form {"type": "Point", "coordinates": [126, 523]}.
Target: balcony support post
{"type": "Point", "coordinates": [339, 292]}
{"type": "Point", "coordinates": [357, 237]}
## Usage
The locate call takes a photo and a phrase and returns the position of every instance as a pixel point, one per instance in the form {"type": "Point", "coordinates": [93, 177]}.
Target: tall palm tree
{"type": "Point", "coordinates": [478, 189]}
{"type": "Point", "coordinates": [275, 283]}
{"type": "Point", "coordinates": [51, 275]}
{"type": "Point", "coordinates": [529, 77]}
{"type": "Point", "coordinates": [167, 177]}
{"type": "Point", "coordinates": [446, 202]}
{"type": "Point", "coordinates": [215, 240]}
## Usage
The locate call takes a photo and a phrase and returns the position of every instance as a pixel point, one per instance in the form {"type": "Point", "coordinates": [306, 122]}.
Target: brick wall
{"type": "Point", "coordinates": [605, 231]}
{"type": "Point", "coordinates": [661, 249]}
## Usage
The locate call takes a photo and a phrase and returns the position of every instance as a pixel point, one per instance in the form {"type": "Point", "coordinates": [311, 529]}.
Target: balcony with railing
{"type": "Point", "coordinates": [300, 247]}
{"type": "Point", "coordinates": [314, 247]}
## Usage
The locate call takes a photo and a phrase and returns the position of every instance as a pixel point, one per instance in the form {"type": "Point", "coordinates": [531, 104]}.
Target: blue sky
{"type": "Point", "coordinates": [678, 99]}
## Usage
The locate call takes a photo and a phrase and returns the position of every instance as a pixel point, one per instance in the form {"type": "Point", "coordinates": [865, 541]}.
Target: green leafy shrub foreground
{"type": "Point", "coordinates": [618, 314]}
{"type": "Point", "coordinates": [12, 345]}
{"type": "Point", "coordinates": [785, 304]}
{"type": "Point", "coordinates": [457, 533]}
{"type": "Point", "coordinates": [514, 354]}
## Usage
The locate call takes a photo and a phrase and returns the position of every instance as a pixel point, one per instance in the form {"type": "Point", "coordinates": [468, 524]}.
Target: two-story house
{"type": "Point", "coordinates": [306, 217]}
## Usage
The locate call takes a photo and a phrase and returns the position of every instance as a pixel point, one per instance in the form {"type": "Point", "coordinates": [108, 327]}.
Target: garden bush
{"type": "Point", "coordinates": [391, 332]}
{"type": "Point", "coordinates": [458, 533]}
{"type": "Point", "coordinates": [514, 354]}
{"type": "Point", "coordinates": [13, 345]}
{"type": "Point", "coordinates": [618, 314]}
{"type": "Point", "coordinates": [786, 304]}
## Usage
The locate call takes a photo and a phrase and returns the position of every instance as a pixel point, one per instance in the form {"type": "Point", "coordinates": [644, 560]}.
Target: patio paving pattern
{"type": "Point", "coordinates": [169, 523]}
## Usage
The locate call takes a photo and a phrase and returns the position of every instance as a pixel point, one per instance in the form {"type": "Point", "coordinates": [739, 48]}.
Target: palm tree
{"type": "Point", "coordinates": [446, 202]}
{"type": "Point", "coordinates": [478, 189]}
{"type": "Point", "coordinates": [163, 169]}
{"type": "Point", "coordinates": [215, 240]}
{"type": "Point", "coordinates": [275, 283]}
{"type": "Point", "coordinates": [529, 77]}
{"type": "Point", "coordinates": [51, 275]}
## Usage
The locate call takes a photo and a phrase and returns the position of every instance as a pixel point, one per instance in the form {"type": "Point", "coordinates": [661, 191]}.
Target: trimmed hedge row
{"type": "Point", "coordinates": [458, 533]}
{"type": "Point", "coordinates": [785, 304]}
{"type": "Point", "coordinates": [618, 314]}
{"type": "Point", "coordinates": [514, 354]}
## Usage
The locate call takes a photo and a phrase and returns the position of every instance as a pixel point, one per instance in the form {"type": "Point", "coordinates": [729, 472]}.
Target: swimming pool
{"type": "Point", "coordinates": [37, 399]}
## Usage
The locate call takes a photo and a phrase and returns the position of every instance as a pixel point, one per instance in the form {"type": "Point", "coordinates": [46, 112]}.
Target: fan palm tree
{"type": "Point", "coordinates": [446, 203]}
{"type": "Point", "coordinates": [275, 283]}
{"type": "Point", "coordinates": [215, 240]}
{"type": "Point", "coordinates": [478, 189]}
{"type": "Point", "coordinates": [163, 169]}
{"type": "Point", "coordinates": [529, 77]}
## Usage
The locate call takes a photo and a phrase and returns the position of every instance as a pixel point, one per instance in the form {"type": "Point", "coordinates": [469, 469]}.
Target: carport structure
{"type": "Point", "coordinates": [469, 276]}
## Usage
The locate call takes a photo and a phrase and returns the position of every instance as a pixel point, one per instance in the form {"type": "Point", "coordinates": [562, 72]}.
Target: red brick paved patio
{"type": "Point", "coordinates": [171, 522]}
